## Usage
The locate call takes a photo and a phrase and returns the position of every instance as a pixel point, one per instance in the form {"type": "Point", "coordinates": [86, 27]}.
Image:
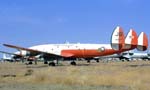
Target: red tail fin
{"type": "Point", "coordinates": [131, 40]}
{"type": "Point", "coordinates": [142, 42]}
{"type": "Point", "coordinates": [117, 39]}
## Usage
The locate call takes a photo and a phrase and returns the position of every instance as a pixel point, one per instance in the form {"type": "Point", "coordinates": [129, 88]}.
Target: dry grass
{"type": "Point", "coordinates": [131, 75]}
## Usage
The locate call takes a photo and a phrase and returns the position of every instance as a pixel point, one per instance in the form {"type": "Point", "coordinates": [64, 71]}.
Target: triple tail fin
{"type": "Point", "coordinates": [132, 41]}
{"type": "Point", "coordinates": [142, 42]}
{"type": "Point", "coordinates": [117, 38]}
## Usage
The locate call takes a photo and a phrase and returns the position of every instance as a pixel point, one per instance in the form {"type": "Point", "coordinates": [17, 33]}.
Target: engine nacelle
{"type": "Point", "coordinates": [102, 49]}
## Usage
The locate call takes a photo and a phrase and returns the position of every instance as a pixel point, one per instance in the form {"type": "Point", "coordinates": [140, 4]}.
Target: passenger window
{"type": "Point", "coordinates": [76, 46]}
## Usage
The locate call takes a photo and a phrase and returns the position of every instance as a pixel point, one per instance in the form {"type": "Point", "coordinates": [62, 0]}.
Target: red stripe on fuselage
{"type": "Point", "coordinates": [89, 53]}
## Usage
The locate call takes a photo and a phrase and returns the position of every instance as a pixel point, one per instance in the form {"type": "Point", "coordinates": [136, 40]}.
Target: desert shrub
{"type": "Point", "coordinates": [28, 72]}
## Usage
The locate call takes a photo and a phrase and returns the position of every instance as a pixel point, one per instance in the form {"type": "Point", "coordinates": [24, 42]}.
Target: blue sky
{"type": "Point", "coordinates": [31, 22]}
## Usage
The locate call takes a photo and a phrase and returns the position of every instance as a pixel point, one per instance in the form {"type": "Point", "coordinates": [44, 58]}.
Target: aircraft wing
{"type": "Point", "coordinates": [33, 52]}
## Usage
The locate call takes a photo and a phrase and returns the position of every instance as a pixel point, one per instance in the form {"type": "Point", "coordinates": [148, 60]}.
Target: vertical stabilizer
{"type": "Point", "coordinates": [142, 42]}
{"type": "Point", "coordinates": [117, 38]}
{"type": "Point", "coordinates": [131, 40]}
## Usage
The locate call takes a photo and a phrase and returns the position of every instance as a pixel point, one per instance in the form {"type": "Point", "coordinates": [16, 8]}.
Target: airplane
{"type": "Point", "coordinates": [11, 57]}
{"type": "Point", "coordinates": [50, 52]}
{"type": "Point", "coordinates": [130, 55]}
{"type": "Point", "coordinates": [127, 56]}
{"type": "Point", "coordinates": [6, 58]}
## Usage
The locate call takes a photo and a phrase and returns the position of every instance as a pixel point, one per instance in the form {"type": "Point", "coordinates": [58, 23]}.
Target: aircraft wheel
{"type": "Point", "coordinates": [128, 60]}
{"type": "Point", "coordinates": [88, 61]}
{"type": "Point", "coordinates": [122, 60]}
{"type": "Point", "coordinates": [144, 59]}
{"type": "Point", "coordinates": [30, 63]}
{"type": "Point", "coordinates": [45, 62]}
{"type": "Point", "coordinates": [52, 64]}
{"type": "Point", "coordinates": [97, 61]}
{"type": "Point", "coordinates": [73, 63]}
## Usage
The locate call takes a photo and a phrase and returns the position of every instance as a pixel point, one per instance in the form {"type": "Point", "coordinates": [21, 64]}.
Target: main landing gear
{"type": "Point", "coordinates": [52, 64]}
{"type": "Point", "coordinates": [45, 62]}
{"type": "Point", "coordinates": [97, 61]}
{"type": "Point", "coordinates": [30, 63]}
{"type": "Point", "coordinates": [56, 62]}
{"type": "Point", "coordinates": [73, 63]}
{"type": "Point", "coordinates": [88, 61]}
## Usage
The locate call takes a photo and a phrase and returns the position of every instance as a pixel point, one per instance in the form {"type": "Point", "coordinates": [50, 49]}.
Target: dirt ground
{"type": "Point", "coordinates": [132, 75]}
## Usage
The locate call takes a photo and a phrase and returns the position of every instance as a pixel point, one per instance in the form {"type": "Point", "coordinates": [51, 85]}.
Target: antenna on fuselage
{"type": "Point", "coordinates": [66, 42]}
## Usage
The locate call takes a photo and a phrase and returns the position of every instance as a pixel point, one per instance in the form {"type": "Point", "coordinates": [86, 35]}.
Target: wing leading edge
{"type": "Point", "coordinates": [33, 52]}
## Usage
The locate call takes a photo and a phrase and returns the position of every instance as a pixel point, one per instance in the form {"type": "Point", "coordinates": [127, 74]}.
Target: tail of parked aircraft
{"type": "Point", "coordinates": [131, 40]}
{"type": "Point", "coordinates": [142, 42]}
{"type": "Point", "coordinates": [4, 56]}
{"type": "Point", "coordinates": [117, 38]}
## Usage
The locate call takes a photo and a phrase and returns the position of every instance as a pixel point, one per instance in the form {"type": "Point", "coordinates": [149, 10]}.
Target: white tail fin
{"type": "Point", "coordinates": [142, 42]}
{"type": "Point", "coordinates": [117, 39]}
{"type": "Point", "coordinates": [131, 40]}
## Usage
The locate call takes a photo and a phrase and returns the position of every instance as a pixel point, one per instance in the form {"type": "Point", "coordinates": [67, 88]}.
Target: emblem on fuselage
{"type": "Point", "coordinates": [101, 49]}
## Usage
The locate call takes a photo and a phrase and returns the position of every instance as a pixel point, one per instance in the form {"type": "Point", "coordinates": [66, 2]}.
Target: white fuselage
{"type": "Point", "coordinates": [57, 48]}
